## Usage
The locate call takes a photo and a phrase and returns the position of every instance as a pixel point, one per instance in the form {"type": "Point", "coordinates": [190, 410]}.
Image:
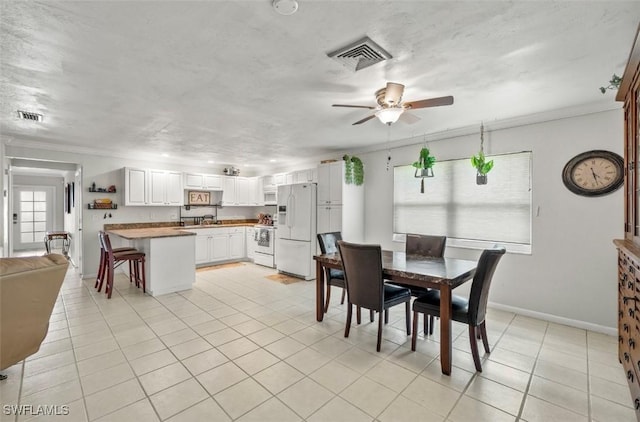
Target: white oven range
{"type": "Point", "coordinates": [265, 241]}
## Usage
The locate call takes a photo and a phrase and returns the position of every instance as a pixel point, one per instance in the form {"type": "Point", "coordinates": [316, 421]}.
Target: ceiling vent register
{"type": "Point", "coordinates": [27, 115]}
{"type": "Point", "coordinates": [360, 54]}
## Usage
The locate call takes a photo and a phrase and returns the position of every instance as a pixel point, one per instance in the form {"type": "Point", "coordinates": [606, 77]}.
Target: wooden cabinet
{"type": "Point", "coordinates": [629, 247]}
{"type": "Point", "coordinates": [202, 181]}
{"type": "Point", "coordinates": [152, 187]}
{"type": "Point", "coordinates": [236, 245]}
{"type": "Point", "coordinates": [242, 191]}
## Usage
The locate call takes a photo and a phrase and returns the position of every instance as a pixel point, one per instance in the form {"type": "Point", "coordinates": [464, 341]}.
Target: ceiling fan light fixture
{"type": "Point", "coordinates": [389, 115]}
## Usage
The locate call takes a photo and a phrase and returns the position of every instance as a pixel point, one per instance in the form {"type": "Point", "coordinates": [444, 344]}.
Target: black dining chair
{"type": "Point", "coordinates": [423, 245]}
{"type": "Point", "coordinates": [334, 277]}
{"type": "Point", "coordinates": [470, 311]}
{"type": "Point", "coordinates": [366, 288]}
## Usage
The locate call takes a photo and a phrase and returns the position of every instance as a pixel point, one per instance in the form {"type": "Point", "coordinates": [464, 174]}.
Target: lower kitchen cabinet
{"type": "Point", "coordinates": [219, 244]}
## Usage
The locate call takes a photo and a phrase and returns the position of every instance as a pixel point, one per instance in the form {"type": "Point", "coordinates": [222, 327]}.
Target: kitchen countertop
{"type": "Point", "coordinates": [213, 226]}
{"type": "Point", "coordinates": [150, 233]}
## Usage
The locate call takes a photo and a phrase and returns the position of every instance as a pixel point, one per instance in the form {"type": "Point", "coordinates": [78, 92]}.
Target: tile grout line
{"type": "Point", "coordinates": [533, 369]}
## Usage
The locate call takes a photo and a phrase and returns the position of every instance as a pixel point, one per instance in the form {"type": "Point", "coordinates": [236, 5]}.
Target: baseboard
{"type": "Point", "coordinates": [612, 331]}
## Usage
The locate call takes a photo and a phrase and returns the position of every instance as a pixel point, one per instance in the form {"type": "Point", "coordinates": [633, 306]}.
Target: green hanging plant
{"type": "Point", "coordinates": [481, 165]}
{"type": "Point", "coordinates": [614, 83]}
{"type": "Point", "coordinates": [353, 170]}
{"type": "Point", "coordinates": [425, 160]}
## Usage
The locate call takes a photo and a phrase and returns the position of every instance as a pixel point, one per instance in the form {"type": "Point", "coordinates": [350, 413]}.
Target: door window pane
{"type": "Point", "coordinates": [39, 196]}
{"type": "Point", "coordinates": [26, 196]}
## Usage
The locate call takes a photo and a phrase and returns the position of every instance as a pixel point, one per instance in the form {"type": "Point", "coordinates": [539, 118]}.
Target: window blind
{"type": "Point", "coordinates": [455, 206]}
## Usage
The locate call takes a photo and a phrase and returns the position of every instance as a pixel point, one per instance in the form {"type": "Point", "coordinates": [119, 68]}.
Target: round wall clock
{"type": "Point", "coordinates": [594, 173]}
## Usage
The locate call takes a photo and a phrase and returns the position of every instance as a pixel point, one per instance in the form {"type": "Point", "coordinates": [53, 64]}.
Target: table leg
{"type": "Point", "coordinates": [319, 291]}
{"type": "Point", "coordinates": [445, 329]}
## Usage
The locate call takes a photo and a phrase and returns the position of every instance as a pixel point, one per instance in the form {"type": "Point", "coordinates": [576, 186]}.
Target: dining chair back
{"type": "Point", "coordinates": [425, 245]}
{"type": "Point", "coordinates": [479, 295]}
{"type": "Point", "coordinates": [471, 311]}
{"type": "Point", "coordinates": [364, 279]}
{"type": "Point", "coordinates": [334, 277]}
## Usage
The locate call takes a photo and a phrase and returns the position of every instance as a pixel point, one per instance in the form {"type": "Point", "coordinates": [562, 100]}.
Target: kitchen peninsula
{"type": "Point", "coordinates": [170, 255]}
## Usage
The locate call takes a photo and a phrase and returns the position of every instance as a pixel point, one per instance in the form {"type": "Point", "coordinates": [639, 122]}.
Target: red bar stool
{"type": "Point", "coordinates": [135, 258]}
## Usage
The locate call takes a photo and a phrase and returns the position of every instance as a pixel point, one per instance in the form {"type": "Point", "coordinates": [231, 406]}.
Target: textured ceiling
{"type": "Point", "coordinates": [237, 83]}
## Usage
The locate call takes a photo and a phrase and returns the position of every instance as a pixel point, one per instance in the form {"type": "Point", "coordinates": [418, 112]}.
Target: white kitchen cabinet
{"type": "Point", "coordinates": [330, 181]}
{"type": "Point", "coordinates": [135, 186]}
{"type": "Point", "coordinates": [256, 188]}
{"type": "Point", "coordinates": [242, 191]}
{"type": "Point", "coordinates": [229, 190]}
{"type": "Point", "coordinates": [250, 242]}
{"type": "Point", "coordinates": [202, 248]}
{"type": "Point", "coordinates": [219, 244]}
{"type": "Point", "coordinates": [280, 179]}
{"type": "Point", "coordinates": [236, 245]}
{"type": "Point", "coordinates": [165, 188]}
{"type": "Point", "coordinates": [329, 218]}
{"type": "Point", "coordinates": [202, 181]}
{"type": "Point", "coordinates": [219, 247]}
{"type": "Point", "coordinates": [340, 206]}
{"type": "Point", "coordinates": [289, 178]}
{"type": "Point", "coordinates": [153, 187]}
{"type": "Point", "coordinates": [305, 176]}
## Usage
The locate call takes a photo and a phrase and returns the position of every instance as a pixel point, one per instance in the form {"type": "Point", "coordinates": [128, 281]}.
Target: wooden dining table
{"type": "Point", "coordinates": [444, 274]}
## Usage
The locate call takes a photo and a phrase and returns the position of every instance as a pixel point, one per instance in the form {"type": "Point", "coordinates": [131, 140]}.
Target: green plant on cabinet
{"type": "Point", "coordinates": [353, 170]}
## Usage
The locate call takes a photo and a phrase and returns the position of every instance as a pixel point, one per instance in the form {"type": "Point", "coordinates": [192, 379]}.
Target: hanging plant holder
{"type": "Point", "coordinates": [424, 166]}
{"type": "Point", "coordinates": [479, 161]}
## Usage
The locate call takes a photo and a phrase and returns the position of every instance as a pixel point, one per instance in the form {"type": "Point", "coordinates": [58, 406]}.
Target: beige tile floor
{"type": "Point", "coordinates": [241, 347]}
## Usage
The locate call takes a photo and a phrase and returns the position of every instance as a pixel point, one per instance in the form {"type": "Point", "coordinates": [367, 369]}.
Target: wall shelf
{"type": "Point", "coordinates": [92, 206]}
{"type": "Point", "coordinates": [101, 190]}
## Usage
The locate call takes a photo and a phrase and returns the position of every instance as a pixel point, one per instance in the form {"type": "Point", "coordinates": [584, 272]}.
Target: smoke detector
{"type": "Point", "coordinates": [285, 7]}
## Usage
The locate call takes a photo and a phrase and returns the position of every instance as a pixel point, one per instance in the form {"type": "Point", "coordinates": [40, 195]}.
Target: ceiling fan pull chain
{"type": "Point", "coordinates": [482, 137]}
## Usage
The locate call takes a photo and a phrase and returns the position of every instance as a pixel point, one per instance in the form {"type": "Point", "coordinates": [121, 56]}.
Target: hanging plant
{"type": "Point", "coordinates": [424, 166]}
{"type": "Point", "coordinates": [480, 163]}
{"type": "Point", "coordinates": [614, 83]}
{"type": "Point", "coordinates": [353, 170]}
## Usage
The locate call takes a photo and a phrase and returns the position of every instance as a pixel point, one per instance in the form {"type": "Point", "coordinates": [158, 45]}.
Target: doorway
{"type": "Point", "coordinates": [33, 215]}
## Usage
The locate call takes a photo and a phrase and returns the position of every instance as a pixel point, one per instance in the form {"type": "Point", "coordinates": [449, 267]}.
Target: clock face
{"type": "Point", "coordinates": [594, 173]}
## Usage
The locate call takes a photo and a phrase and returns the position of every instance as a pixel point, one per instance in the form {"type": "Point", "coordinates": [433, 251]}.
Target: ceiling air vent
{"type": "Point", "coordinates": [360, 54]}
{"type": "Point", "coordinates": [27, 115]}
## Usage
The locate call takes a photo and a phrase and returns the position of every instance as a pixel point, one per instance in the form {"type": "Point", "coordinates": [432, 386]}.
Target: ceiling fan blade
{"type": "Point", "coordinates": [432, 102]}
{"type": "Point", "coordinates": [364, 120]}
{"type": "Point", "coordinates": [353, 106]}
{"type": "Point", "coordinates": [393, 93]}
{"type": "Point", "coordinates": [409, 118]}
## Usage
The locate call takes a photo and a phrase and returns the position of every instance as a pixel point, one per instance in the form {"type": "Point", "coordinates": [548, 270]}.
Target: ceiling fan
{"type": "Point", "coordinates": [390, 106]}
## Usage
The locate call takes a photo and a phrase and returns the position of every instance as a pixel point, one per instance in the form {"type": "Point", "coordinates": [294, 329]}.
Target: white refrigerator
{"type": "Point", "coordinates": [296, 233]}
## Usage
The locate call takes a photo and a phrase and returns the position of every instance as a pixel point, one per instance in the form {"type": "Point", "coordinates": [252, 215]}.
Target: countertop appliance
{"type": "Point", "coordinates": [264, 252]}
{"type": "Point", "coordinates": [296, 233]}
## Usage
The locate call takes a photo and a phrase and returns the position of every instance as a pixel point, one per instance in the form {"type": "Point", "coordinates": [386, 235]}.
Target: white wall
{"type": "Point", "coordinates": [572, 271]}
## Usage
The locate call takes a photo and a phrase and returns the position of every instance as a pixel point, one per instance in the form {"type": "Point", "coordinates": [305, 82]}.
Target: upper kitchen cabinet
{"type": "Point", "coordinates": [135, 186]}
{"type": "Point", "coordinates": [229, 190]}
{"type": "Point", "coordinates": [280, 179]}
{"type": "Point", "coordinates": [165, 188]}
{"type": "Point", "coordinates": [152, 187]}
{"type": "Point", "coordinates": [202, 181]}
{"type": "Point", "coordinates": [241, 191]}
{"type": "Point", "coordinates": [330, 181]}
